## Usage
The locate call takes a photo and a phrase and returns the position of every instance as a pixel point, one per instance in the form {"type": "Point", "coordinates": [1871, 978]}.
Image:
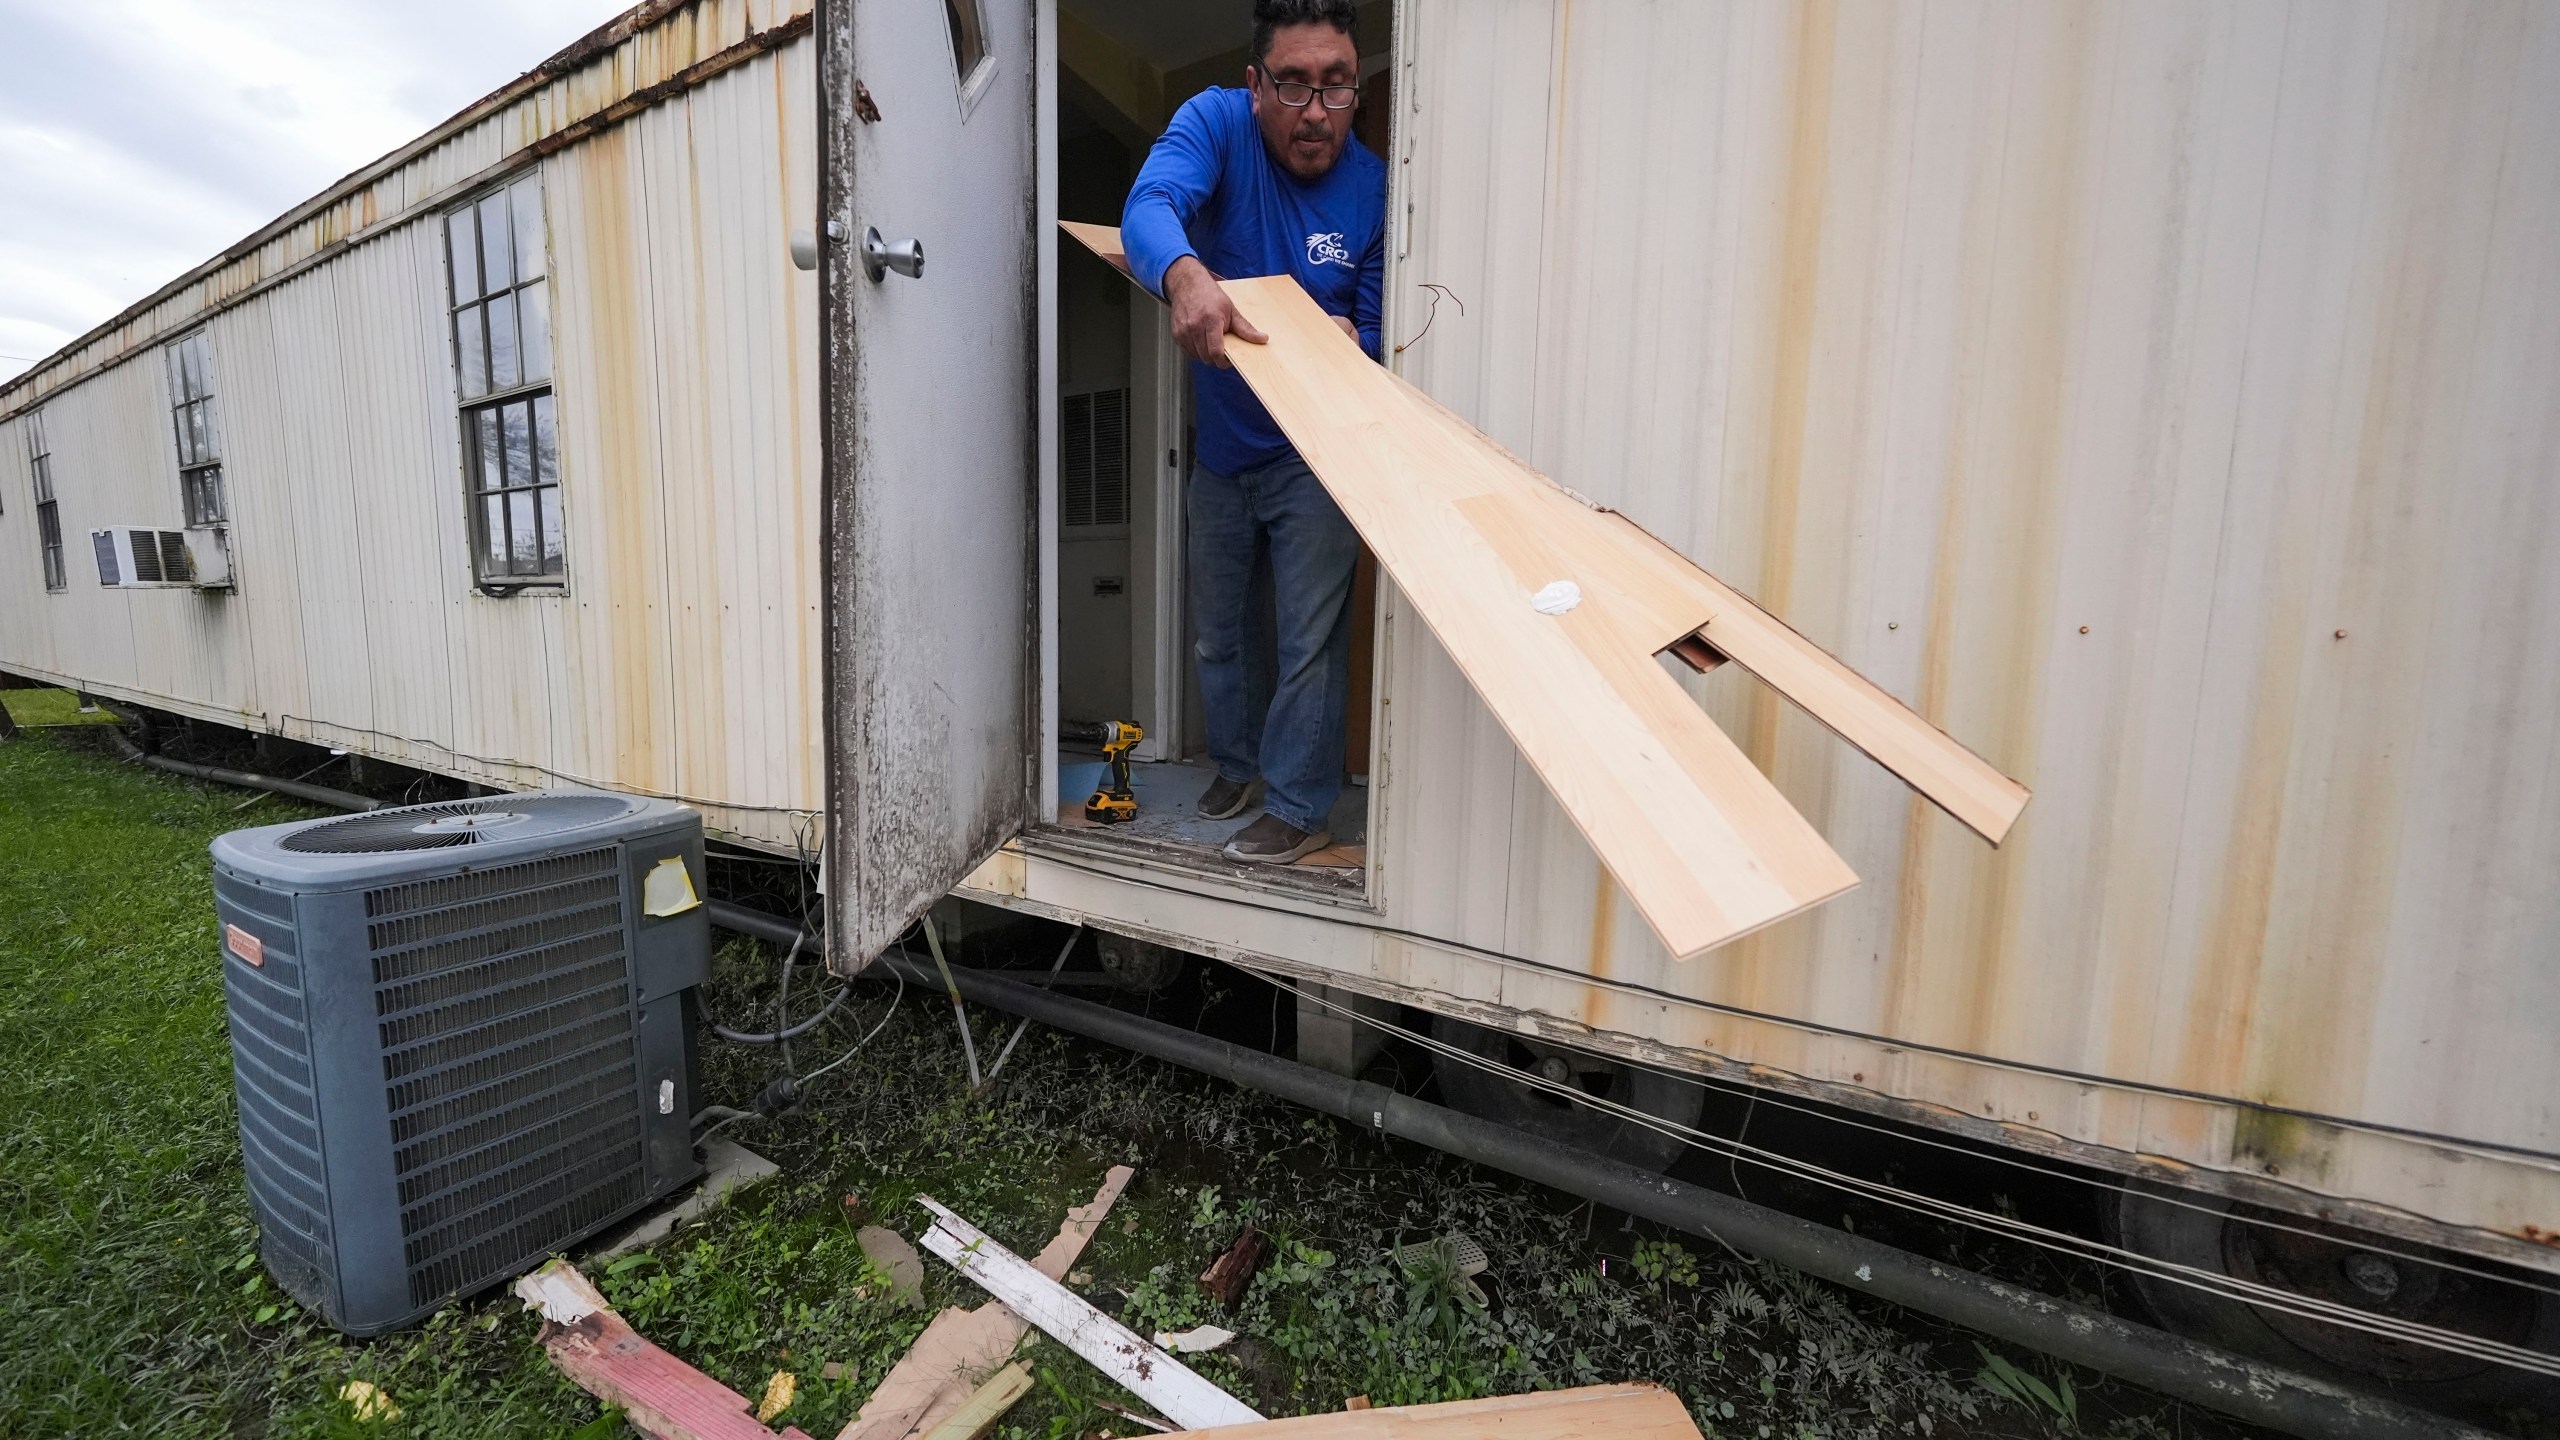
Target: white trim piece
{"type": "Point", "coordinates": [1044, 769]}
{"type": "Point", "coordinates": [1178, 1393]}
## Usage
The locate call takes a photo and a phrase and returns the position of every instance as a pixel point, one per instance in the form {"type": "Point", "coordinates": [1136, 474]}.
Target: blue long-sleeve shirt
{"type": "Point", "coordinates": [1210, 189]}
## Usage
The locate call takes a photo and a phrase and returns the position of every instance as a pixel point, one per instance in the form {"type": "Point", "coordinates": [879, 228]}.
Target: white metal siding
{"type": "Point", "coordinates": [683, 657]}
{"type": "Point", "coordinates": [1947, 330]}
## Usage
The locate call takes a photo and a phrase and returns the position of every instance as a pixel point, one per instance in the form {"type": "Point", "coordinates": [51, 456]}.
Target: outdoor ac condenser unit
{"type": "Point", "coordinates": [461, 1036]}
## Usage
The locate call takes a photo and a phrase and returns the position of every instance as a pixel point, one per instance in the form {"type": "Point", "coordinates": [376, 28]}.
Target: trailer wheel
{"type": "Point", "coordinates": [1477, 1090]}
{"type": "Point", "coordinates": [2332, 1262]}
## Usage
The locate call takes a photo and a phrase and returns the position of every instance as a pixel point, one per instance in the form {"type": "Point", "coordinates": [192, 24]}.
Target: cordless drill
{"type": "Point", "coordinates": [1114, 804]}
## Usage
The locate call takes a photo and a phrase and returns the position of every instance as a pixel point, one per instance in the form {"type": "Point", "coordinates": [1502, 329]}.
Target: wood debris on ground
{"type": "Point", "coordinates": [986, 1405]}
{"type": "Point", "coordinates": [1594, 1412]}
{"type": "Point", "coordinates": [961, 1349]}
{"type": "Point", "coordinates": [1180, 1393]}
{"type": "Point", "coordinates": [959, 1379]}
{"type": "Point", "coordinates": [1227, 1276]}
{"type": "Point", "coordinates": [659, 1394]}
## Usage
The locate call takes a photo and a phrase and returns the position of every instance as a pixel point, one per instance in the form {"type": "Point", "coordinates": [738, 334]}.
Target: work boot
{"type": "Point", "coordinates": [1271, 840]}
{"type": "Point", "coordinates": [1225, 799]}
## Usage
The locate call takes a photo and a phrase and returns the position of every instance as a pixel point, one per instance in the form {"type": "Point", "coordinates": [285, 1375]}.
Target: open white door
{"type": "Point", "coordinates": [927, 118]}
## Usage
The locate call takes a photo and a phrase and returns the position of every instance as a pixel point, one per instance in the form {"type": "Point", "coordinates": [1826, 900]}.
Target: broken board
{"type": "Point", "coordinates": [960, 1349]}
{"type": "Point", "coordinates": [1594, 1412]}
{"type": "Point", "coordinates": [1179, 1393]}
{"type": "Point", "coordinates": [659, 1394]}
{"type": "Point", "coordinates": [1704, 846]}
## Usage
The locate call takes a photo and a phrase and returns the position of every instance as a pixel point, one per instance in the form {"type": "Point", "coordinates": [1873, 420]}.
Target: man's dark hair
{"type": "Point", "coordinates": [1270, 15]}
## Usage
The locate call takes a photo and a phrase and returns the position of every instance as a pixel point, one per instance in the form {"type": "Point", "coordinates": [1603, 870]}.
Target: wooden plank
{"type": "Point", "coordinates": [986, 1406]}
{"type": "Point", "coordinates": [1595, 1412]}
{"type": "Point", "coordinates": [960, 1348]}
{"type": "Point", "coordinates": [1104, 242]}
{"type": "Point", "coordinates": [1658, 584]}
{"type": "Point", "coordinates": [657, 1392]}
{"type": "Point", "coordinates": [1859, 711]}
{"type": "Point", "coordinates": [1853, 707]}
{"type": "Point", "coordinates": [1059, 1255]}
{"type": "Point", "coordinates": [1703, 844]}
{"type": "Point", "coordinates": [1177, 1392]}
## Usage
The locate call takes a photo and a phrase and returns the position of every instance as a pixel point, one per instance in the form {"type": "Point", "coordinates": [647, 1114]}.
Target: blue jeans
{"type": "Point", "coordinates": [1286, 727]}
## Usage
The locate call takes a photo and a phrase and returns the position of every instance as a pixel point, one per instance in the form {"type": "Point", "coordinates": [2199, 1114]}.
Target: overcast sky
{"type": "Point", "coordinates": [141, 137]}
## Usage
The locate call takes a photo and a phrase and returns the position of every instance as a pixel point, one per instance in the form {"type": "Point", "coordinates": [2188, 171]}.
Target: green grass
{"type": "Point", "coordinates": [131, 1301]}
{"type": "Point", "coordinates": [50, 707]}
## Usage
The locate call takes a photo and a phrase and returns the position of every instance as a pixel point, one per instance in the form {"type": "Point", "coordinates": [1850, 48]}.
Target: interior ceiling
{"type": "Point", "coordinates": [1171, 34]}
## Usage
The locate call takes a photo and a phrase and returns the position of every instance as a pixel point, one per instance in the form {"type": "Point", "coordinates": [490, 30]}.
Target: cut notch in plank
{"type": "Point", "coordinates": [1856, 709]}
{"type": "Point", "coordinates": [1178, 1392]}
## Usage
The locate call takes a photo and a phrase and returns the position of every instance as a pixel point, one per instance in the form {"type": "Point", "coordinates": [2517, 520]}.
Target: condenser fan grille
{"type": "Point", "coordinates": [457, 822]}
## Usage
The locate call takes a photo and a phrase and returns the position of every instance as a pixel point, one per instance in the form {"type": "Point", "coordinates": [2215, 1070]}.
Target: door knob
{"type": "Point", "coordinates": [879, 256]}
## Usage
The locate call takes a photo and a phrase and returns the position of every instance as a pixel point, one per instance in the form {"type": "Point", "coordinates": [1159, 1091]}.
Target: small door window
{"type": "Point", "coordinates": [968, 39]}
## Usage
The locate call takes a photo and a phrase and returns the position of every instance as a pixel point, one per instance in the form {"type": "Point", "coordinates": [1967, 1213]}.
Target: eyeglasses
{"type": "Point", "coordinates": [1295, 94]}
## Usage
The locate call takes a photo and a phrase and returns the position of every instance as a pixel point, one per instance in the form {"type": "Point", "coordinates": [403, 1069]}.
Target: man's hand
{"type": "Point", "coordinates": [1203, 316]}
{"type": "Point", "coordinates": [1347, 327]}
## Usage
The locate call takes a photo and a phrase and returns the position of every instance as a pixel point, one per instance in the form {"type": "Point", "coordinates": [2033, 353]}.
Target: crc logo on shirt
{"type": "Point", "coordinates": [1326, 248]}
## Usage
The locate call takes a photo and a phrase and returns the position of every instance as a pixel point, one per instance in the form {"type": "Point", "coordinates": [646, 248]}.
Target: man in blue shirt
{"type": "Point", "coordinates": [1267, 181]}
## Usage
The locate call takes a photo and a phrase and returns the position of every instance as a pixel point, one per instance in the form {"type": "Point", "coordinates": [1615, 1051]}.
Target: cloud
{"type": "Point", "coordinates": [139, 138]}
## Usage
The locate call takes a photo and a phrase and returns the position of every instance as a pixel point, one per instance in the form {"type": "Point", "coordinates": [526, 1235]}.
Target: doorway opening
{"type": "Point", "coordinates": [1123, 635]}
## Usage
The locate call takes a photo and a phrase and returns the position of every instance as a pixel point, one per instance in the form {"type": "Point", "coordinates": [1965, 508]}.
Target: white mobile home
{"type": "Point", "coordinates": [2158, 397]}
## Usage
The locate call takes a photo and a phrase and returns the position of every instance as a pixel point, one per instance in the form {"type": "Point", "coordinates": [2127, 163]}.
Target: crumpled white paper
{"type": "Point", "coordinates": [1558, 597]}
{"type": "Point", "coordinates": [1194, 1341]}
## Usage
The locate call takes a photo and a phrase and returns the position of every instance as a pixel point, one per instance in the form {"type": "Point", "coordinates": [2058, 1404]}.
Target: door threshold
{"type": "Point", "coordinates": [1346, 885]}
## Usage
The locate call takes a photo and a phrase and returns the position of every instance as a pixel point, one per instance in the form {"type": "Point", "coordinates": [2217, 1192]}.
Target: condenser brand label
{"type": "Point", "coordinates": [245, 945]}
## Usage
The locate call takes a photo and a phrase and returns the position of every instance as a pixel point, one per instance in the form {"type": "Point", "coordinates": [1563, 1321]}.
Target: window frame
{"type": "Point", "coordinates": [57, 578]}
{"type": "Point", "coordinates": [192, 411]}
{"type": "Point", "coordinates": [486, 420]}
{"type": "Point", "coordinates": [973, 52]}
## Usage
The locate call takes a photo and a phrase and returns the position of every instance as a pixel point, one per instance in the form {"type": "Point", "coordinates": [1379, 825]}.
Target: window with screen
{"type": "Point", "coordinates": [48, 513]}
{"type": "Point", "coordinates": [199, 437]}
{"type": "Point", "coordinates": [502, 362]}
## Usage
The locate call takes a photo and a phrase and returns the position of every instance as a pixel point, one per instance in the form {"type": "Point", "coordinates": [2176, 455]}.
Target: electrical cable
{"type": "Point", "coordinates": [869, 1035]}
{"type": "Point", "coordinates": [2226, 1286]}
{"type": "Point", "coordinates": [2001, 1155]}
{"type": "Point", "coordinates": [785, 1033]}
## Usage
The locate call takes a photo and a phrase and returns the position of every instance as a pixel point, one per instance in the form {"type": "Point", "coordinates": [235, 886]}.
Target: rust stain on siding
{"type": "Point", "coordinates": [621, 401]}
{"type": "Point", "coordinates": [1799, 290]}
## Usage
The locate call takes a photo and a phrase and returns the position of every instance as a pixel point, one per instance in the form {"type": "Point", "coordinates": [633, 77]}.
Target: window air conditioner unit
{"type": "Point", "coordinates": [133, 557]}
{"type": "Point", "coordinates": [209, 554]}
{"type": "Point", "coordinates": [462, 1037]}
